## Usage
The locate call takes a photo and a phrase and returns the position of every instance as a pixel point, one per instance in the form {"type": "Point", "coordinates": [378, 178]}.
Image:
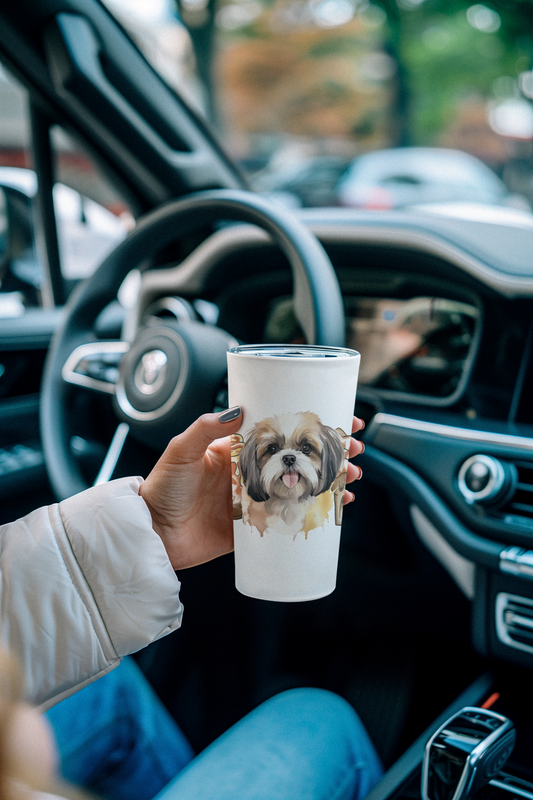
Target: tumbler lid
{"type": "Point", "coordinates": [293, 351]}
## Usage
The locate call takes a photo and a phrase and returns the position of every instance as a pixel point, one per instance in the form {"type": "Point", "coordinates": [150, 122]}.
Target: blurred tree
{"type": "Point", "coordinates": [446, 51]}
{"type": "Point", "coordinates": [449, 49]}
{"type": "Point", "coordinates": [198, 16]}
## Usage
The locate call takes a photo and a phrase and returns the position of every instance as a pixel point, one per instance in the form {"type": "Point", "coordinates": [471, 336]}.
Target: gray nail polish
{"type": "Point", "coordinates": [231, 413]}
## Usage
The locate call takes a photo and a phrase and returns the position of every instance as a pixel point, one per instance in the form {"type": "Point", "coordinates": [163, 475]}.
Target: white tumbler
{"type": "Point", "coordinates": [289, 464]}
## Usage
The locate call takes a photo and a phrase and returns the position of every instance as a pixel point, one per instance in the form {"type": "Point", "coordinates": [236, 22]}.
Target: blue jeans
{"type": "Point", "coordinates": [117, 739]}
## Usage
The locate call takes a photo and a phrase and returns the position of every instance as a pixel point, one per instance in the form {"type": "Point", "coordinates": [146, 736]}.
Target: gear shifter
{"type": "Point", "coordinates": [466, 753]}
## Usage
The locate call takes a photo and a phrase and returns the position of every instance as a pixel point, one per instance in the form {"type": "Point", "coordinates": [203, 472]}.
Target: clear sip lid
{"type": "Point", "coordinates": [293, 351]}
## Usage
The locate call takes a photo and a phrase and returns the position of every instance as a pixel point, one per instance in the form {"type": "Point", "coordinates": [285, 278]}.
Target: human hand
{"type": "Point", "coordinates": [188, 492]}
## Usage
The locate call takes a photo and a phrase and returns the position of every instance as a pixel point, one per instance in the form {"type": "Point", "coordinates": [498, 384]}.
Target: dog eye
{"type": "Point", "coordinates": [272, 448]}
{"type": "Point", "coordinates": [306, 449]}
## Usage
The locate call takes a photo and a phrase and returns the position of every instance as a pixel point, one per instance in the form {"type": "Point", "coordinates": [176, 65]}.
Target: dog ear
{"type": "Point", "coordinates": [332, 458]}
{"type": "Point", "coordinates": [250, 473]}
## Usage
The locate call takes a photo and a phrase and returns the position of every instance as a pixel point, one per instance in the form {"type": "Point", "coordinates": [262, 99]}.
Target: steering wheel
{"type": "Point", "coordinates": [171, 372]}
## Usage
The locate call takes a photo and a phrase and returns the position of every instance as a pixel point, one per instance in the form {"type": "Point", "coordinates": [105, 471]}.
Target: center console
{"type": "Point", "coordinates": [504, 693]}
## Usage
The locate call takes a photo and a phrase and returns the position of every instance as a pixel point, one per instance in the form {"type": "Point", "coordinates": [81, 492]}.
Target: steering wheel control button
{"type": "Point", "coordinates": [95, 365]}
{"type": "Point", "coordinates": [483, 479]}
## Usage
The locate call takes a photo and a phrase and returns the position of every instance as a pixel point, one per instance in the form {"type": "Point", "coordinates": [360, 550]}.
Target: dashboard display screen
{"type": "Point", "coordinates": [418, 345]}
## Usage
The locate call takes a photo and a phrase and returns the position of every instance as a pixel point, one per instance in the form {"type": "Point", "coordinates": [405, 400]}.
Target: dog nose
{"type": "Point", "coordinates": [289, 460]}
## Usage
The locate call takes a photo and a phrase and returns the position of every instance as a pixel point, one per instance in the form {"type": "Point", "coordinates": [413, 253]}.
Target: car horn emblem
{"type": "Point", "coordinates": [150, 372]}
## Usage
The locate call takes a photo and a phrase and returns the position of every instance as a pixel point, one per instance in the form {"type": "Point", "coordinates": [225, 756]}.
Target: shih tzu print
{"type": "Point", "coordinates": [292, 471]}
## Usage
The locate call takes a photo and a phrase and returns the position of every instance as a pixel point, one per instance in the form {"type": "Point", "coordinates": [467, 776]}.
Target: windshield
{"type": "Point", "coordinates": [374, 105]}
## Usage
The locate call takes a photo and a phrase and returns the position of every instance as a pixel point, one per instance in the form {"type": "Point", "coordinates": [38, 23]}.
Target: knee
{"type": "Point", "coordinates": [325, 727]}
{"type": "Point", "coordinates": [313, 704]}
{"type": "Point", "coordinates": [320, 716]}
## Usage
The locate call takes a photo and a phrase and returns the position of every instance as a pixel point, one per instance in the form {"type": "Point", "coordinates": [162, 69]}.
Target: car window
{"type": "Point", "coordinates": [293, 85]}
{"type": "Point", "coordinates": [91, 217]}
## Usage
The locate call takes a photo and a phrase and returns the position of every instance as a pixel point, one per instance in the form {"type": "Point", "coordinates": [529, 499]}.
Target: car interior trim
{"type": "Point", "coordinates": [399, 477]}
{"type": "Point", "coordinates": [517, 561]}
{"type": "Point", "coordinates": [514, 615]}
{"type": "Point", "coordinates": [511, 787]}
{"type": "Point", "coordinates": [450, 431]}
{"type": "Point", "coordinates": [235, 237]}
{"type": "Point", "coordinates": [113, 454]}
{"type": "Point", "coordinates": [354, 231]}
{"type": "Point", "coordinates": [71, 372]}
{"type": "Point", "coordinates": [495, 482]}
{"type": "Point", "coordinates": [460, 569]}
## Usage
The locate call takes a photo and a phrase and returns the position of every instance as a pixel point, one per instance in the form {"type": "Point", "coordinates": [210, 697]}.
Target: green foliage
{"type": "Point", "coordinates": [444, 59]}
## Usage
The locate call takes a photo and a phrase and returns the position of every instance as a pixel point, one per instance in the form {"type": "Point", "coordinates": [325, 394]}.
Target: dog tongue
{"type": "Point", "coordinates": [290, 479]}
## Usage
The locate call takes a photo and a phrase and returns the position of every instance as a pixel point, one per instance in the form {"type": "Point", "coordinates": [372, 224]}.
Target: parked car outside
{"type": "Point", "coordinates": [310, 181]}
{"type": "Point", "coordinates": [408, 176]}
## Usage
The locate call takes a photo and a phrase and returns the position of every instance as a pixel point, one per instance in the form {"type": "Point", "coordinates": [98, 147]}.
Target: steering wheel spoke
{"type": "Point", "coordinates": [95, 365]}
{"type": "Point", "coordinates": [109, 463]}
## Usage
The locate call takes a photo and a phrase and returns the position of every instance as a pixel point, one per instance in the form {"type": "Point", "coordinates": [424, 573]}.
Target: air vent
{"type": "Point", "coordinates": [519, 509]}
{"type": "Point", "coordinates": [514, 621]}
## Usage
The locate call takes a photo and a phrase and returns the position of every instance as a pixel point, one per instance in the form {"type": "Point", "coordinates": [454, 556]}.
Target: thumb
{"type": "Point", "coordinates": [194, 441]}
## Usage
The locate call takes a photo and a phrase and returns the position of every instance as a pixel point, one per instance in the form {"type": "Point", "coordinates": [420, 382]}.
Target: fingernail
{"type": "Point", "coordinates": [360, 474]}
{"type": "Point", "coordinates": [363, 425]}
{"type": "Point", "coordinates": [363, 446]}
{"type": "Point", "coordinates": [231, 413]}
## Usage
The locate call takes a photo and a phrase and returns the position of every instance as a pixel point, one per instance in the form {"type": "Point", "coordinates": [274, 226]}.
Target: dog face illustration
{"type": "Point", "coordinates": [290, 457]}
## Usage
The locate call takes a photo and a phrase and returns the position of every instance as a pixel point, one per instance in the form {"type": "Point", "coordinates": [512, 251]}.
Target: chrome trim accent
{"type": "Point", "coordinates": [504, 602]}
{"type": "Point", "coordinates": [476, 754]}
{"type": "Point", "coordinates": [115, 449]}
{"type": "Point", "coordinates": [512, 788]}
{"type": "Point", "coordinates": [484, 437]}
{"type": "Point", "coordinates": [69, 374]}
{"type": "Point", "coordinates": [517, 561]}
{"type": "Point", "coordinates": [495, 482]}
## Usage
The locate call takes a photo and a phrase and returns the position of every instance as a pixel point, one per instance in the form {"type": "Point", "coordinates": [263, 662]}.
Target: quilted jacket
{"type": "Point", "coordinates": [83, 583]}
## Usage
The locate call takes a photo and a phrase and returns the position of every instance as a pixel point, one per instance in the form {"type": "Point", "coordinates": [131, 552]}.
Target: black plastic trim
{"type": "Point", "coordinates": [395, 475]}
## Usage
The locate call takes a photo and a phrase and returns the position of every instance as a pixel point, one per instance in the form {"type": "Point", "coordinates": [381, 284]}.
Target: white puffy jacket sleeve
{"type": "Point", "coordinates": [83, 583]}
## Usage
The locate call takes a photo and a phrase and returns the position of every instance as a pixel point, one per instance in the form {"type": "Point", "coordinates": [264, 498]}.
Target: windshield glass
{"type": "Point", "coordinates": [375, 105]}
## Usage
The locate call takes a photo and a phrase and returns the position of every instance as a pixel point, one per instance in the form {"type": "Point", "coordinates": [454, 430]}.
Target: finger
{"type": "Point", "coordinates": [353, 473]}
{"type": "Point", "coordinates": [349, 497]}
{"type": "Point", "coordinates": [356, 448]}
{"type": "Point", "coordinates": [357, 425]}
{"type": "Point", "coordinates": [193, 442]}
